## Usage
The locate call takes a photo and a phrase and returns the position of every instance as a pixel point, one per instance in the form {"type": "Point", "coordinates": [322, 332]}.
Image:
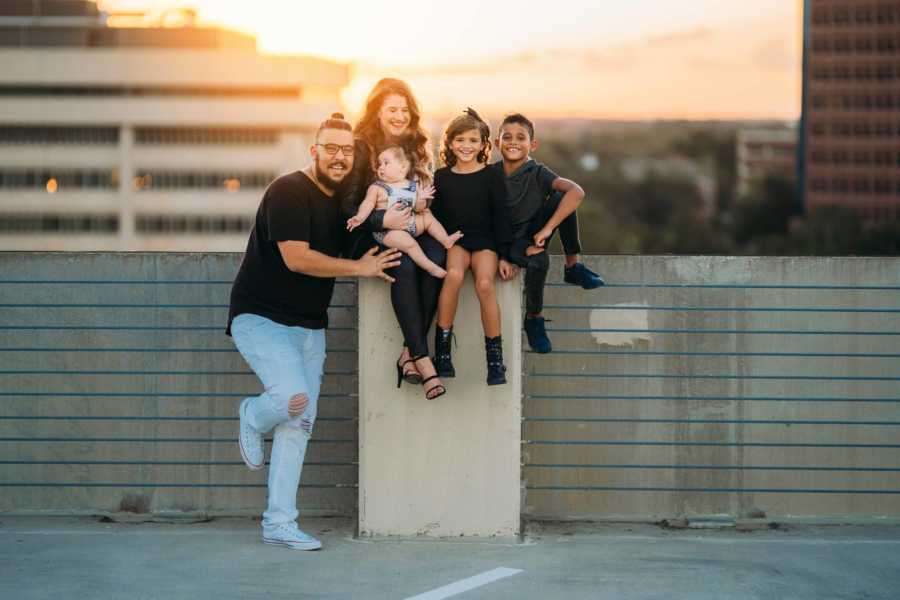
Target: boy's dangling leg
{"type": "Point", "coordinates": [535, 278]}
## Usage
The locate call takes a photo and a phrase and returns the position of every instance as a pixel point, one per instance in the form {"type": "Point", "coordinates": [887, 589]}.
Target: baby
{"type": "Point", "coordinates": [394, 187]}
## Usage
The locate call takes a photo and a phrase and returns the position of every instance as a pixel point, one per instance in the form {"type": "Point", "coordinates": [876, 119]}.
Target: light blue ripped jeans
{"type": "Point", "coordinates": [288, 361]}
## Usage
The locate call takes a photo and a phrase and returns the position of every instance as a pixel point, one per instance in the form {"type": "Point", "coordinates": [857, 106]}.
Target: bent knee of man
{"type": "Point", "coordinates": [297, 404]}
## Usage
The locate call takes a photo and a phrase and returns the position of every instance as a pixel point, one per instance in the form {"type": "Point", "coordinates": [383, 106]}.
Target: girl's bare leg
{"type": "Point", "coordinates": [401, 240]}
{"type": "Point", "coordinates": [458, 260]}
{"type": "Point", "coordinates": [484, 268]}
{"type": "Point", "coordinates": [426, 222]}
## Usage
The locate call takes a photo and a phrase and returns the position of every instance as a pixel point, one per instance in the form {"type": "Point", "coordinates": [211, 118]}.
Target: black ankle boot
{"type": "Point", "coordinates": [493, 350]}
{"type": "Point", "coordinates": [442, 363]}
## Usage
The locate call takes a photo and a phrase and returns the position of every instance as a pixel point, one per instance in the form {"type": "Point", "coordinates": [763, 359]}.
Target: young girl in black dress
{"type": "Point", "coordinates": [471, 199]}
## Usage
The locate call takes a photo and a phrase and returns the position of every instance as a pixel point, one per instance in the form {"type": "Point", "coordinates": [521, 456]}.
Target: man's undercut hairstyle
{"type": "Point", "coordinates": [335, 121]}
{"type": "Point", "coordinates": [521, 120]}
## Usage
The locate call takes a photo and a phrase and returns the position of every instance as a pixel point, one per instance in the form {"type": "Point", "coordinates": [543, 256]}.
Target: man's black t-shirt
{"type": "Point", "coordinates": [292, 208]}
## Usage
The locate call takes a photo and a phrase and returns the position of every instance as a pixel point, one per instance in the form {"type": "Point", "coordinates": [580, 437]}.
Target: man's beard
{"type": "Point", "coordinates": [327, 181]}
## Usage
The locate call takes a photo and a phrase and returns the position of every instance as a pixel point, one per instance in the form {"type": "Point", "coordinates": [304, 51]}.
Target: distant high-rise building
{"type": "Point", "coordinates": [851, 106]}
{"type": "Point", "coordinates": [144, 137]}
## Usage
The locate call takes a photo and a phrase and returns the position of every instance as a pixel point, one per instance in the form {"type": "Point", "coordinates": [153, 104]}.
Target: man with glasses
{"type": "Point", "coordinates": [278, 315]}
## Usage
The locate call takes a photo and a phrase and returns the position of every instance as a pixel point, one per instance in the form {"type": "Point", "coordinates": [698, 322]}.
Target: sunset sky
{"type": "Point", "coordinates": [567, 58]}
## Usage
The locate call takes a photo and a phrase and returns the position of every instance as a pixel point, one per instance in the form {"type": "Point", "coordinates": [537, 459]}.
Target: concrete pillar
{"type": "Point", "coordinates": [445, 467]}
{"type": "Point", "coordinates": [127, 235]}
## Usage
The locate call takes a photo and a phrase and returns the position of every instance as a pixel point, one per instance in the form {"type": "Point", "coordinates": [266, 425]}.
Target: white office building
{"type": "Point", "coordinates": [144, 138]}
{"type": "Point", "coordinates": [762, 152]}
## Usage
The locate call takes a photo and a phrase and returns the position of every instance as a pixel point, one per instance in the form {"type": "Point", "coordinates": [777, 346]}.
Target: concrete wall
{"type": "Point", "coordinates": [718, 386]}
{"type": "Point", "coordinates": [443, 467]}
{"type": "Point", "coordinates": [688, 386]}
{"type": "Point", "coordinates": [119, 389]}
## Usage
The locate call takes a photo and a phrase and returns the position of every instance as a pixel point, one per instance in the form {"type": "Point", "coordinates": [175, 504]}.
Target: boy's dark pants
{"type": "Point", "coordinates": [537, 265]}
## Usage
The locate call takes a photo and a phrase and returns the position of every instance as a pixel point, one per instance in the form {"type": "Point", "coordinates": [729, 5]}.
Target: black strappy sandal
{"type": "Point", "coordinates": [411, 377]}
{"type": "Point", "coordinates": [440, 387]}
{"type": "Point", "coordinates": [434, 392]}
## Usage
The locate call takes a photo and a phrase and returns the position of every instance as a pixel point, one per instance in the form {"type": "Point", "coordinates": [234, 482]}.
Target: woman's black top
{"type": "Point", "coordinates": [351, 193]}
{"type": "Point", "coordinates": [474, 203]}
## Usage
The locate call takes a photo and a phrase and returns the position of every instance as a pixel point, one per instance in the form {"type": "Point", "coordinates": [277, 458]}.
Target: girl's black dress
{"type": "Point", "coordinates": [474, 203]}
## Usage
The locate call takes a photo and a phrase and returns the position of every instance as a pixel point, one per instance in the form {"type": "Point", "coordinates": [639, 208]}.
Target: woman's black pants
{"type": "Point", "coordinates": [414, 295]}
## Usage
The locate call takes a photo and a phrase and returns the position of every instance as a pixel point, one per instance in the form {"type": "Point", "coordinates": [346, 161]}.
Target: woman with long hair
{"type": "Point", "coordinates": [392, 118]}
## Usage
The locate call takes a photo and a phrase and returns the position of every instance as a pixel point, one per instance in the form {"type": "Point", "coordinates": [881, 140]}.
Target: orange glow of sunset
{"type": "Point", "coordinates": [642, 59]}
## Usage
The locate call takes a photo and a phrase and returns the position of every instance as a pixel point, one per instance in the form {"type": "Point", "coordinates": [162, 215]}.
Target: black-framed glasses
{"type": "Point", "coordinates": [332, 149]}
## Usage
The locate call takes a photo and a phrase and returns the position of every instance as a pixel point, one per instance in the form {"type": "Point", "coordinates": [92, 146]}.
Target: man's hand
{"type": "Point", "coordinates": [373, 265]}
{"type": "Point", "coordinates": [353, 222]}
{"type": "Point", "coordinates": [540, 238]}
{"type": "Point", "coordinates": [396, 216]}
{"type": "Point", "coordinates": [507, 270]}
{"type": "Point", "coordinates": [532, 250]}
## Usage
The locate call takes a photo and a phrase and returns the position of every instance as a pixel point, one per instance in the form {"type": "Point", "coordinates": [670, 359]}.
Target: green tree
{"type": "Point", "coordinates": [765, 211]}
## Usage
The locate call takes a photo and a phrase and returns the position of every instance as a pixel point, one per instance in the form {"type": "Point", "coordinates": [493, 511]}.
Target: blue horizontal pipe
{"type": "Point", "coordinates": [704, 421]}
{"type": "Point", "coordinates": [170, 485]}
{"type": "Point", "coordinates": [164, 463]}
{"type": "Point", "coordinates": [157, 440]}
{"type": "Point", "coordinates": [716, 331]}
{"type": "Point", "coordinates": [112, 372]}
{"type": "Point", "coordinates": [609, 285]}
{"type": "Point", "coordinates": [130, 328]}
{"type": "Point", "coordinates": [699, 353]}
{"type": "Point", "coordinates": [132, 305]}
{"type": "Point", "coordinates": [729, 444]}
{"type": "Point", "coordinates": [162, 350]}
{"type": "Point", "coordinates": [717, 376]}
{"type": "Point", "coordinates": [713, 467]}
{"type": "Point", "coordinates": [706, 398]}
{"type": "Point", "coordinates": [148, 395]}
{"type": "Point", "coordinates": [597, 488]}
{"type": "Point", "coordinates": [128, 418]}
{"type": "Point", "coordinates": [134, 281]}
{"type": "Point", "coordinates": [676, 308]}
{"type": "Point", "coordinates": [741, 286]}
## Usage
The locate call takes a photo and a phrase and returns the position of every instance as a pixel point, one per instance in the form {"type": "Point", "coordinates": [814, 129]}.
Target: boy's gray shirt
{"type": "Point", "coordinates": [529, 186]}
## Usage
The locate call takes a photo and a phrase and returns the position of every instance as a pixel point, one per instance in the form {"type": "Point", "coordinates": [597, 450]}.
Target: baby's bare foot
{"type": "Point", "coordinates": [437, 272]}
{"type": "Point", "coordinates": [452, 239]}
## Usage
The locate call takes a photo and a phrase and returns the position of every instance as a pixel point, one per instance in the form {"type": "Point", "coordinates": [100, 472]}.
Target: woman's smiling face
{"type": "Point", "coordinates": [466, 146]}
{"type": "Point", "coordinates": [394, 116]}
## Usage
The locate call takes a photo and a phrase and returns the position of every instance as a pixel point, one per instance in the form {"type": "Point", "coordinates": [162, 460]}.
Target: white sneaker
{"type": "Point", "coordinates": [288, 534]}
{"type": "Point", "coordinates": [250, 442]}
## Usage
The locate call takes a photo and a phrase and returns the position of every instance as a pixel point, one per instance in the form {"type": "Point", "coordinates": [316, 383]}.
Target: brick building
{"type": "Point", "coordinates": [851, 106]}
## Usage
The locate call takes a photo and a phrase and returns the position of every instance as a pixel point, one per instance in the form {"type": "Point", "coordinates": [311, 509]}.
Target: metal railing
{"type": "Point", "coordinates": [749, 385]}
{"type": "Point", "coordinates": [116, 375]}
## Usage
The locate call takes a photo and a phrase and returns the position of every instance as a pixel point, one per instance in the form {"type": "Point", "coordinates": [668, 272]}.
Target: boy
{"type": "Point", "coordinates": [539, 203]}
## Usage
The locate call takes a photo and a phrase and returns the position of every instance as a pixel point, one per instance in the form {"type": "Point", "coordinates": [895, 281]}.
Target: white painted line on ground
{"type": "Point", "coordinates": [469, 583]}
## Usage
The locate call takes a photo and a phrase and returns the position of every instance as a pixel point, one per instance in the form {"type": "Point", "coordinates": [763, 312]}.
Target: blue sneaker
{"type": "Point", "coordinates": [578, 274]}
{"type": "Point", "coordinates": [537, 335]}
